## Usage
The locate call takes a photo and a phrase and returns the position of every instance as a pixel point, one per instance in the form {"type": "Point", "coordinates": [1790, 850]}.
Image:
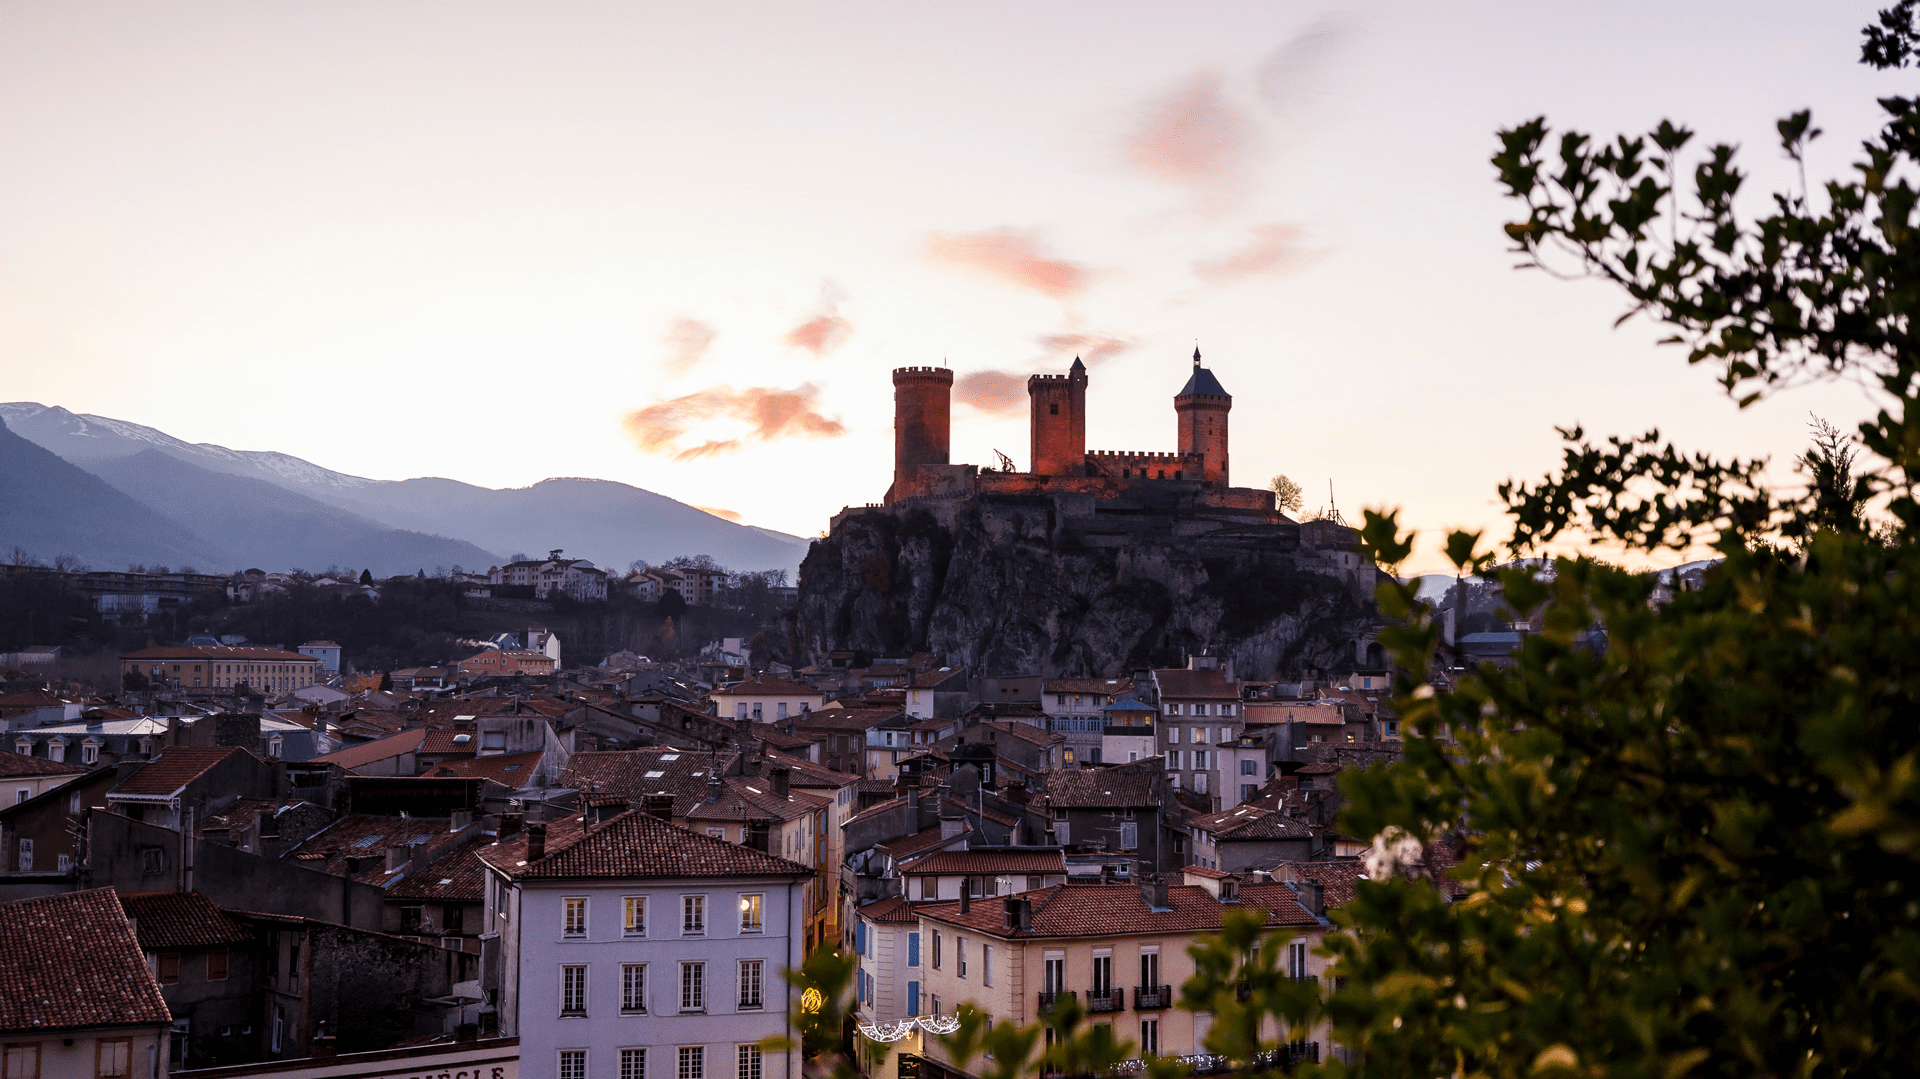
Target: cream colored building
{"type": "Point", "coordinates": [766, 699]}
{"type": "Point", "coordinates": [1120, 949]}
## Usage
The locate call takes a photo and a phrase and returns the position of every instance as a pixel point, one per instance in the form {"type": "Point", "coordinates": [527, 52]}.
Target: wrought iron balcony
{"type": "Point", "coordinates": [1152, 997]}
{"type": "Point", "coordinates": [1111, 1001]}
{"type": "Point", "coordinates": [1049, 1000]}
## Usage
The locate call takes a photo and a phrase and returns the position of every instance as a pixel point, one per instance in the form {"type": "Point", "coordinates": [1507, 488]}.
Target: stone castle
{"type": "Point", "coordinates": [1090, 563]}
{"type": "Point", "coordinates": [1061, 463]}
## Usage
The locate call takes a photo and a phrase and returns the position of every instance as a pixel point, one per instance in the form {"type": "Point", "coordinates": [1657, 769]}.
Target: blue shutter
{"type": "Point", "coordinates": [860, 986]}
{"type": "Point", "coordinates": [913, 998]}
{"type": "Point", "coordinates": [913, 949]}
{"type": "Point", "coordinates": [860, 938]}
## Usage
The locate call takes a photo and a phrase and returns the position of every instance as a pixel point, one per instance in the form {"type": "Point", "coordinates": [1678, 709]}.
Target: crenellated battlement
{"type": "Point", "coordinates": [1061, 379]}
{"type": "Point", "coordinates": [943, 374]}
{"type": "Point", "coordinates": [1145, 455]}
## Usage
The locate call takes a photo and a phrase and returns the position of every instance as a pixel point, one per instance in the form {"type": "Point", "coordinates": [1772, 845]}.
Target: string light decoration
{"type": "Point", "coordinates": [893, 1032]}
{"type": "Point", "coordinates": [811, 1000]}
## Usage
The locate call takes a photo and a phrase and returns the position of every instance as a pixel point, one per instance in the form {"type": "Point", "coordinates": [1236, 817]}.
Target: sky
{"type": "Point", "coordinates": [682, 246]}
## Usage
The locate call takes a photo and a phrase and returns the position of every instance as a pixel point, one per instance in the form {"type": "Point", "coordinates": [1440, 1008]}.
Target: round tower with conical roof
{"type": "Point", "coordinates": [1201, 409]}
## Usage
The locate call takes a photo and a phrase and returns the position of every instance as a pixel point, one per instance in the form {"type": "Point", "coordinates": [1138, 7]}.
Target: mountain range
{"type": "Point", "coordinates": [113, 493]}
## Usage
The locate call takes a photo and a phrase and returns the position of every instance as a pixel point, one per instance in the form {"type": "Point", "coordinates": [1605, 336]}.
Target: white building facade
{"type": "Point", "coordinates": [638, 949]}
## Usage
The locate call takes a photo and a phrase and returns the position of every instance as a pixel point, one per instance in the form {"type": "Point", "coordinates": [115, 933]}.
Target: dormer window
{"type": "Point", "coordinates": [1229, 891]}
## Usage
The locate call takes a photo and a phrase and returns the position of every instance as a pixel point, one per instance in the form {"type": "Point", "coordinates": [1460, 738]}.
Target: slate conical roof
{"type": "Point", "coordinates": [1202, 382]}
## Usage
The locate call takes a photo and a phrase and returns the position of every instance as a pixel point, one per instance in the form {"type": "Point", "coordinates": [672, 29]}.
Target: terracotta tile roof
{"type": "Point", "coordinates": [1182, 684]}
{"type": "Point", "coordinates": [892, 910]}
{"type": "Point", "coordinates": [1252, 823]}
{"type": "Point", "coordinates": [510, 769]}
{"type": "Point", "coordinates": [365, 837]}
{"type": "Point", "coordinates": [877, 810]}
{"type": "Point", "coordinates": [777, 738]}
{"type": "Point", "coordinates": [1326, 713]}
{"type": "Point", "coordinates": [752, 798]}
{"type": "Point", "coordinates": [239, 814]}
{"type": "Point", "coordinates": [1101, 788]}
{"type": "Point", "coordinates": [844, 719]}
{"type": "Point", "coordinates": [168, 920]}
{"type": "Point", "coordinates": [15, 765]}
{"type": "Point", "coordinates": [1319, 768]}
{"type": "Point", "coordinates": [1336, 877]}
{"type": "Point", "coordinates": [440, 740]}
{"type": "Point", "coordinates": [682, 773]}
{"type": "Point", "coordinates": [936, 679]}
{"type": "Point", "coordinates": [455, 877]}
{"type": "Point", "coordinates": [991, 861]}
{"type": "Point", "coordinates": [766, 685]}
{"type": "Point", "coordinates": [71, 961]}
{"type": "Point", "coordinates": [1103, 687]}
{"type": "Point", "coordinates": [176, 767]}
{"type": "Point", "coordinates": [379, 749]}
{"type": "Point", "coordinates": [634, 845]}
{"type": "Point", "coordinates": [1111, 910]}
{"type": "Point", "coordinates": [221, 652]}
{"type": "Point", "coordinates": [908, 846]}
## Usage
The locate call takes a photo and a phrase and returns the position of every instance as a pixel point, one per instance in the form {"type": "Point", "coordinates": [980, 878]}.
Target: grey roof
{"type": "Point", "coordinates": [1202, 381]}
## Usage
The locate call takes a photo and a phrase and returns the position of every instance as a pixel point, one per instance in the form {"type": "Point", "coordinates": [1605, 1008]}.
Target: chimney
{"type": "Point", "coordinates": [1023, 913]}
{"type": "Point", "coordinates": [782, 782]}
{"type": "Point", "coordinates": [396, 857]}
{"type": "Point", "coordinates": [713, 788]}
{"type": "Point", "coordinates": [536, 841]}
{"type": "Point", "coordinates": [658, 806]}
{"type": "Point", "coordinates": [913, 796]}
{"type": "Point", "coordinates": [509, 824]}
{"type": "Point", "coordinates": [461, 818]}
{"type": "Point", "coordinates": [966, 896]}
{"type": "Point", "coordinates": [1153, 892]}
{"type": "Point", "coordinates": [1313, 896]}
{"type": "Point", "coordinates": [1106, 873]}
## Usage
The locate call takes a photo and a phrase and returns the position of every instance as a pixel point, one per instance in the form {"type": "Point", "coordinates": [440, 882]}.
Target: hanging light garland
{"type": "Point", "coordinates": [893, 1032]}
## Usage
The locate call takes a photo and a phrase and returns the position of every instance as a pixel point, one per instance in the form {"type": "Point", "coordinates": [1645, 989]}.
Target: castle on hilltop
{"type": "Point", "coordinates": [1060, 463]}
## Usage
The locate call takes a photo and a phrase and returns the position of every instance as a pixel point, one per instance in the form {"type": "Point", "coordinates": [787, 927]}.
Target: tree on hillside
{"type": "Point", "coordinates": [1694, 853]}
{"type": "Point", "coordinates": [366, 577]}
{"type": "Point", "coordinates": [1287, 496]}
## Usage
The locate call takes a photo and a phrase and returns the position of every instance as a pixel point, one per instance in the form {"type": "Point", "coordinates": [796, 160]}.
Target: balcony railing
{"type": "Point", "coordinates": [1152, 997]}
{"type": "Point", "coordinates": [1048, 1000]}
{"type": "Point", "coordinates": [1111, 1001]}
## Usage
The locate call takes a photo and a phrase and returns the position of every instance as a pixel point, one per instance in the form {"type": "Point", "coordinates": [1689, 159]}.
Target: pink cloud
{"type": "Point", "coordinates": [1196, 136]}
{"type": "Point", "coordinates": [687, 341]}
{"type": "Point", "coordinates": [725, 515]}
{"type": "Point", "coordinates": [1273, 249]}
{"type": "Point", "coordinates": [1091, 347]}
{"type": "Point", "coordinates": [1009, 256]}
{"type": "Point", "coordinates": [997, 392]}
{"type": "Point", "coordinates": [825, 331]}
{"type": "Point", "coordinates": [768, 415]}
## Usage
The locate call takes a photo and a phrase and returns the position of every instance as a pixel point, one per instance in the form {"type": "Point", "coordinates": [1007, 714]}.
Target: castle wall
{"type": "Point", "coordinates": [922, 420]}
{"type": "Point", "coordinates": [1202, 425]}
{"type": "Point", "coordinates": [1051, 401]}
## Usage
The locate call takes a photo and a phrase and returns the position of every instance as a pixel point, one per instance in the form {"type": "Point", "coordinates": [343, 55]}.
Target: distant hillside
{"type": "Point", "coordinates": [51, 507]}
{"type": "Point", "coordinates": [269, 526]}
{"type": "Point", "coordinates": [607, 522]}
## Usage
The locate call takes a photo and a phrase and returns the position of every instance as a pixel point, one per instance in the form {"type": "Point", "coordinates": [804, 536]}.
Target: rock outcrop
{"type": "Point", "coordinates": [1071, 585]}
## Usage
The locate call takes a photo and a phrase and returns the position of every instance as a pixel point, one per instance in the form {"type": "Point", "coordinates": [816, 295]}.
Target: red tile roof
{"type": "Point", "coordinates": [509, 769]}
{"type": "Point", "coordinates": [365, 837]}
{"type": "Point", "coordinates": [169, 920]}
{"type": "Point", "coordinates": [70, 961]}
{"type": "Point", "coordinates": [1102, 788]}
{"type": "Point", "coordinates": [223, 653]}
{"type": "Point", "coordinates": [766, 685]}
{"type": "Point", "coordinates": [1243, 823]}
{"type": "Point", "coordinates": [634, 845]}
{"type": "Point", "coordinates": [17, 765]}
{"type": "Point", "coordinates": [1336, 877]}
{"type": "Point", "coordinates": [176, 767]}
{"type": "Point", "coordinates": [990, 861]}
{"type": "Point", "coordinates": [1182, 684]}
{"type": "Point", "coordinates": [890, 911]}
{"type": "Point", "coordinates": [379, 749]}
{"type": "Point", "coordinates": [455, 877]}
{"type": "Point", "coordinates": [1111, 910]}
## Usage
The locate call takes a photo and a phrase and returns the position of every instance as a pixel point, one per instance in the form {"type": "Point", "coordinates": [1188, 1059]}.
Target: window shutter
{"type": "Point", "coordinates": [913, 950]}
{"type": "Point", "coordinates": [913, 996]}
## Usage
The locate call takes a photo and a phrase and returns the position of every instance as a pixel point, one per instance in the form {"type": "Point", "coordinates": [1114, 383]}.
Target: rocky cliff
{"type": "Point", "coordinates": [1066, 587]}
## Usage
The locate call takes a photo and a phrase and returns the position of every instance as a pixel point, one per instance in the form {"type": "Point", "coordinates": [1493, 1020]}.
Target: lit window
{"type": "Point", "coordinates": [574, 922]}
{"type": "Point", "coordinates": [750, 914]}
{"type": "Point", "coordinates": [634, 922]}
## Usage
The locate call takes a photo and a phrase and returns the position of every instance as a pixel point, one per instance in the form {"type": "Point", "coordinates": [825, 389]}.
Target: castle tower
{"type": "Point", "coordinates": [1201, 409]}
{"type": "Point", "coordinates": [1058, 406]}
{"type": "Point", "coordinates": [922, 423]}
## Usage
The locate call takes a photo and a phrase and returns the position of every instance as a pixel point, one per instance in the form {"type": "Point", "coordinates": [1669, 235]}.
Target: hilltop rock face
{"type": "Point", "coordinates": [1065, 587]}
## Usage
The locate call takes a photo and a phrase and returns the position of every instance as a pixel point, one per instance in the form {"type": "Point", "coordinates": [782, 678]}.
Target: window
{"type": "Point", "coordinates": [573, 1064]}
{"type": "Point", "coordinates": [1053, 972]}
{"type": "Point", "coordinates": [1173, 733]}
{"type": "Point", "coordinates": [750, 913]}
{"type": "Point", "coordinates": [1200, 736]}
{"type": "Point", "coordinates": [693, 987]}
{"type": "Point", "coordinates": [1246, 766]}
{"type": "Point", "coordinates": [1199, 782]}
{"type": "Point", "coordinates": [1226, 709]}
{"type": "Point", "coordinates": [1173, 760]}
{"type": "Point", "coordinates": [26, 855]}
{"type": "Point", "coordinates": [693, 1062]}
{"type": "Point", "coordinates": [1199, 758]}
{"type": "Point", "coordinates": [752, 974]}
{"type": "Point", "coordinates": [1173, 709]}
{"type": "Point", "coordinates": [21, 1061]}
{"type": "Point", "coordinates": [633, 1064]}
{"type": "Point", "coordinates": [1069, 756]}
{"type": "Point", "coordinates": [279, 1024]}
{"type": "Point", "coordinates": [574, 918]}
{"type": "Point", "coordinates": [1173, 781]}
{"type": "Point", "coordinates": [1129, 835]}
{"type": "Point", "coordinates": [986, 965]}
{"type": "Point", "coordinates": [936, 950]}
{"type": "Point", "coordinates": [933, 1004]}
{"type": "Point", "coordinates": [749, 1068]}
{"type": "Point", "coordinates": [633, 988]}
{"type": "Point", "coordinates": [116, 1057]}
{"type": "Point", "coordinates": [913, 998]}
{"type": "Point", "coordinates": [63, 862]}
{"type": "Point", "coordinates": [913, 949]}
{"type": "Point", "coordinates": [1150, 968]}
{"type": "Point", "coordinates": [411, 916]}
{"type": "Point", "coordinates": [73, 802]}
{"type": "Point", "coordinates": [633, 920]}
{"type": "Point", "coordinates": [169, 968]}
{"type": "Point", "coordinates": [22, 795]}
{"type": "Point", "coordinates": [573, 989]}
{"type": "Point", "coordinates": [1297, 959]}
{"type": "Point", "coordinates": [217, 964]}
{"type": "Point", "coordinates": [960, 955]}
{"type": "Point", "coordinates": [1102, 973]}
{"type": "Point", "coordinates": [1226, 733]}
{"type": "Point", "coordinates": [1149, 1037]}
{"type": "Point", "coordinates": [717, 833]}
{"type": "Point", "coordinates": [693, 915]}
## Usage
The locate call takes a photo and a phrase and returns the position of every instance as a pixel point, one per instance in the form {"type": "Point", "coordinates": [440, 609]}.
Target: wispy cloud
{"type": "Point", "coordinates": [1291, 74]}
{"type": "Point", "coordinates": [725, 515]}
{"type": "Point", "coordinates": [1196, 136]}
{"type": "Point", "coordinates": [1010, 256]}
{"type": "Point", "coordinates": [687, 341]}
{"type": "Point", "coordinates": [998, 392]}
{"type": "Point", "coordinates": [826, 330]}
{"type": "Point", "coordinates": [1271, 250]}
{"type": "Point", "coordinates": [1094, 348]}
{"type": "Point", "coordinates": [753, 414]}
